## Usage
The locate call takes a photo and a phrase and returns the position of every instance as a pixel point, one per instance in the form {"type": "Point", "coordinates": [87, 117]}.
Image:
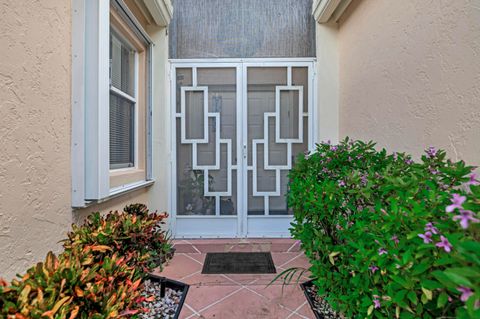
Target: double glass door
{"type": "Point", "coordinates": [237, 130]}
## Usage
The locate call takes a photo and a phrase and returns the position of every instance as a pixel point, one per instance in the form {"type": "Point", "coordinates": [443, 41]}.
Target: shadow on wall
{"type": "Point", "coordinates": [348, 12]}
{"type": "Point", "coordinates": [139, 196]}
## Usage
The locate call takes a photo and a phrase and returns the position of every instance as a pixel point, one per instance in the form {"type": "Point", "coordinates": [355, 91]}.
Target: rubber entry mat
{"type": "Point", "coordinates": [238, 263]}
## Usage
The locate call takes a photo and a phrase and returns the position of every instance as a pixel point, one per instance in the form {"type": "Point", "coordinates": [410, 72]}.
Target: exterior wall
{"type": "Point", "coordinates": [35, 133]}
{"type": "Point", "coordinates": [118, 203]}
{"type": "Point", "coordinates": [327, 82]}
{"type": "Point", "coordinates": [35, 174]}
{"type": "Point", "coordinates": [410, 75]}
{"type": "Point", "coordinates": [161, 122]}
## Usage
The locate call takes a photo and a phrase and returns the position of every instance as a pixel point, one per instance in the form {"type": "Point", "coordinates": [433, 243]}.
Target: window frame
{"type": "Point", "coordinates": [134, 99]}
{"type": "Point", "coordinates": [91, 174]}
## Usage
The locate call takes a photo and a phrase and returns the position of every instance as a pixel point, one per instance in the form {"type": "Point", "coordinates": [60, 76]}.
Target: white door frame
{"type": "Point", "coordinates": [246, 226]}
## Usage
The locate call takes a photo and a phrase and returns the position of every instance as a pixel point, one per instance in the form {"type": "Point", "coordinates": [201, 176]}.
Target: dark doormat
{"type": "Point", "coordinates": [238, 263]}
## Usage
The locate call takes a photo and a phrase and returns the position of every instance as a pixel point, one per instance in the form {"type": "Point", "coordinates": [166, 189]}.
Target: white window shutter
{"type": "Point", "coordinates": [97, 100]}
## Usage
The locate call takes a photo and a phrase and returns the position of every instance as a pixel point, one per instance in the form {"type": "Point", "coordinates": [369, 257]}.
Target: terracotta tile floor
{"type": "Point", "coordinates": [238, 296]}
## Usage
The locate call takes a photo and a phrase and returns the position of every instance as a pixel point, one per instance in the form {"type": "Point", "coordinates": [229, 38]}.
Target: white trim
{"type": "Point", "coordinates": [136, 131]}
{"type": "Point", "coordinates": [122, 40]}
{"type": "Point", "coordinates": [337, 14]}
{"type": "Point", "coordinates": [91, 98]}
{"type": "Point", "coordinates": [160, 10]}
{"type": "Point", "coordinates": [240, 153]}
{"type": "Point", "coordinates": [290, 217]}
{"type": "Point", "coordinates": [172, 173]}
{"type": "Point", "coordinates": [129, 187]}
{"type": "Point", "coordinates": [181, 115]}
{"type": "Point", "coordinates": [323, 10]}
{"type": "Point", "coordinates": [228, 61]}
{"type": "Point", "coordinates": [206, 216]}
{"type": "Point", "coordinates": [97, 100]}
{"type": "Point", "coordinates": [122, 9]}
{"type": "Point", "coordinates": [243, 114]}
{"type": "Point", "coordinates": [313, 124]}
{"type": "Point", "coordinates": [120, 93]}
{"type": "Point", "coordinates": [78, 103]}
{"type": "Point", "coordinates": [278, 90]}
{"type": "Point", "coordinates": [119, 192]}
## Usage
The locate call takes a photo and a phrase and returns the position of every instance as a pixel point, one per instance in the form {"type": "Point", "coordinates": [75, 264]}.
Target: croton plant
{"type": "Point", "coordinates": [135, 232]}
{"type": "Point", "coordinates": [388, 237]}
{"type": "Point", "coordinates": [98, 275]}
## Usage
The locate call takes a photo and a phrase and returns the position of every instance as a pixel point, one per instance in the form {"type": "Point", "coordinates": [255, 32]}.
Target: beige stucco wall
{"type": "Point", "coordinates": [34, 130]}
{"type": "Point", "coordinates": [327, 120]}
{"type": "Point", "coordinates": [35, 133]}
{"type": "Point", "coordinates": [409, 75]}
{"type": "Point", "coordinates": [161, 121]}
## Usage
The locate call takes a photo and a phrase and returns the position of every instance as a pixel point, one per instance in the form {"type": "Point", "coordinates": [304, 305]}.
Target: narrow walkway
{"type": "Point", "coordinates": [239, 296]}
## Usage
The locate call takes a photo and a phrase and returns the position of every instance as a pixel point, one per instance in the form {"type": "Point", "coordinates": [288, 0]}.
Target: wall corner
{"type": "Point", "coordinates": [327, 78]}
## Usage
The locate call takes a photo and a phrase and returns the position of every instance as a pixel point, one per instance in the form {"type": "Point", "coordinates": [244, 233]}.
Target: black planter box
{"type": "Point", "coordinates": [310, 299]}
{"type": "Point", "coordinates": [173, 284]}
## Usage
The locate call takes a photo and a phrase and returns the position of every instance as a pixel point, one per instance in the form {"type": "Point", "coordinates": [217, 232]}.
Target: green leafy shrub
{"type": "Point", "coordinates": [136, 232]}
{"type": "Point", "coordinates": [99, 273]}
{"type": "Point", "coordinates": [73, 286]}
{"type": "Point", "coordinates": [387, 237]}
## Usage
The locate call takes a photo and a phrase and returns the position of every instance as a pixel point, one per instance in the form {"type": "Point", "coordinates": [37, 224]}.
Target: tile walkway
{"type": "Point", "coordinates": [233, 296]}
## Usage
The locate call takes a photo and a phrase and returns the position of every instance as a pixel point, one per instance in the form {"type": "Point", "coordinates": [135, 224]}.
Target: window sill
{"type": "Point", "coordinates": [124, 177]}
{"type": "Point", "coordinates": [119, 191]}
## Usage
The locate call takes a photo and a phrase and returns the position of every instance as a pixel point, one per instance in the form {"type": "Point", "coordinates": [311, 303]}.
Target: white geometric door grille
{"type": "Point", "coordinates": [265, 141]}
{"type": "Point", "coordinates": [205, 140]}
{"type": "Point", "coordinates": [236, 137]}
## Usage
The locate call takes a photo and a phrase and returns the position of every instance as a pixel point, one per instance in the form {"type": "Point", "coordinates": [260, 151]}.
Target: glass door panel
{"type": "Point", "coordinates": [238, 129]}
{"type": "Point", "coordinates": [277, 131]}
{"type": "Point", "coordinates": [206, 127]}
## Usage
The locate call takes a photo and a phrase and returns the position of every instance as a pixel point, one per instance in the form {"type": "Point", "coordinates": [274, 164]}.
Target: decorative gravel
{"type": "Point", "coordinates": [321, 307]}
{"type": "Point", "coordinates": [160, 308]}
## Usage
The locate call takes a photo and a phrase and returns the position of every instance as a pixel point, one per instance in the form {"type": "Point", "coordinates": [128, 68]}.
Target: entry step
{"type": "Point", "coordinates": [201, 246]}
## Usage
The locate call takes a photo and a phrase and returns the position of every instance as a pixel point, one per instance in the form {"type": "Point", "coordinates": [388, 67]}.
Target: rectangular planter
{"type": "Point", "coordinates": [173, 284]}
{"type": "Point", "coordinates": [304, 287]}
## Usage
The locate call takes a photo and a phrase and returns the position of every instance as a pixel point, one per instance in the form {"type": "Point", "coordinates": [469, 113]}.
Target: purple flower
{"type": "Point", "coordinates": [382, 251]}
{"type": "Point", "coordinates": [466, 293]}
{"type": "Point", "coordinates": [465, 217]}
{"type": "Point", "coordinates": [364, 179]}
{"type": "Point", "coordinates": [376, 302]}
{"type": "Point", "coordinates": [445, 244]}
{"type": "Point", "coordinates": [431, 152]}
{"type": "Point", "coordinates": [341, 183]}
{"type": "Point", "coordinates": [394, 238]}
{"type": "Point", "coordinates": [457, 202]}
{"type": "Point", "coordinates": [430, 228]}
{"type": "Point", "coordinates": [373, 268]}
{"type": "Point", "coordinates": [409, 161]}
{"type": "Point", "coordinates": [473, 180]}
{"type": "Point", "coordinates": [334, 148]}
{"type": "Point", "coordinates": [427, 237]}
{"type": "Point", "coordinates": [433, 171]}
